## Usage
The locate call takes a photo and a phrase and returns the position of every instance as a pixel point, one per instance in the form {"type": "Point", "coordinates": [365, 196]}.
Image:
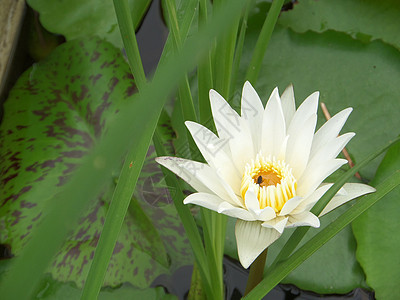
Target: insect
{"type": "Point", "coordinates": [259, 179]}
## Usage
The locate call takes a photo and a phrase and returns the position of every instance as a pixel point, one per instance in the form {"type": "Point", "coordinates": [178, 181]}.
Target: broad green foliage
{"type": "Point", "coordinates": [54, 115]}
{"type": "Point", "coordinates": [365, 20]}
{"type": "Point", "coordinates": [376, 232]}
{"type": "Point", "coordinates": [82, 19]}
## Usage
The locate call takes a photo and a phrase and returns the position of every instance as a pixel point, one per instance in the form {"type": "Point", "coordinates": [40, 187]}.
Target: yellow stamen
{"type": "Point", "coordinates": [271, 180]}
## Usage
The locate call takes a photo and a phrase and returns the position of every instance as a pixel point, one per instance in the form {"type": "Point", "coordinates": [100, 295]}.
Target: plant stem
{"type": "Point", "coordinates": [256, 271]}
{"type": "Point", "coordinates": [263, 40]}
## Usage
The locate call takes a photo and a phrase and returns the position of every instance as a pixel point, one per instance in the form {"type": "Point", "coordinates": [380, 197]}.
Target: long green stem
{"type": "Point", "coordinates": [263, 40]}
{"type": "Point", "coordinates": [129, 39]}
{"type": "Point", "coordinates": [223, 58]}
{"type": "Point", "coordinates": [204, 75]}
{"type": "Point", "coordinates": [280, 271]}
{"type": "Point", "coordinates": [239, 46]}
{"type": "Point", "coordinates": [256, 271]}
{"type": "Point", "coordinates": [128, 176]}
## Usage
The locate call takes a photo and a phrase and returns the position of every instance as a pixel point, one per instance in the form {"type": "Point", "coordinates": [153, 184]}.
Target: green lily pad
{"type": "Point", "coordinates": [333, 268]}
{"type": "Point", "coordinates": [54, 115]}
{"type": "Point", "coordinates": [347, 73]}
{"type": "Point", "coordinates": [84, 19]}
{"type": "Point", "coordinates": [365, 20]}
{"type": "Point", "coordinates": [376, 234]}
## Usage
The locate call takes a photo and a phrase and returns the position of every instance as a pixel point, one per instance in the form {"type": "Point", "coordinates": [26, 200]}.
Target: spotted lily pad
{"type": "Point", "coordinates": [79, 19]}
{"type": "Point", "coordinates": [55, 114]}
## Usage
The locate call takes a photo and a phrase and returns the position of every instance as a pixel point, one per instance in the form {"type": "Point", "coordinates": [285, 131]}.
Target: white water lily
{"type": "Point", "coordinates": [265, 167]}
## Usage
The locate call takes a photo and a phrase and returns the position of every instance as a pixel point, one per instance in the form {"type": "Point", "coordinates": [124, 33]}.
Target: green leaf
{"type": "Point", "coordinates": [375, 231]}
{"type": "Point", "coordinates": [83, 19]}
{"type": "Point", "coordinates": [58, 110]}
{"type": "Point", "coordinates": [365, 20]}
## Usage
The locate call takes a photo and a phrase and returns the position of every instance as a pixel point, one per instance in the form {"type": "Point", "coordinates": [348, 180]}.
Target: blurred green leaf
{"type": "Point", "coordinates": [56, 113]}
{"type": "Point", "coordinates": [376, 233]}
{"type": "Point", "coordinates": [83, 19]}
{"type": "Point", "coordinates": [365, 20]}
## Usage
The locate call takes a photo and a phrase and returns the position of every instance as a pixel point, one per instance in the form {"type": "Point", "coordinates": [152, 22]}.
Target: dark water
{"type": "Point", "coordinates": [235, 279]}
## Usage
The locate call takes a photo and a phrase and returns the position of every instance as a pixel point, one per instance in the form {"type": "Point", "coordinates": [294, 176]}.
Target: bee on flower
{"type": "Point", "coordinates": [266, 166]}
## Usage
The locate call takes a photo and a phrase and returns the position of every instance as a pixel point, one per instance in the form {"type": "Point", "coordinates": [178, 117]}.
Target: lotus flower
{"type": "Point", "coordinates": [266, 166]}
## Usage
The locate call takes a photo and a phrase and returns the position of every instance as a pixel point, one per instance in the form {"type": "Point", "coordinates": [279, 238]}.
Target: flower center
{"type": "Point", "coordinates": [271, 180]}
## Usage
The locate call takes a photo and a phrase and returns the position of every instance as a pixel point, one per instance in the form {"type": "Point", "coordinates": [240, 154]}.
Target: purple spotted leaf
{"type": "Point", "coordinates": [55, 114]}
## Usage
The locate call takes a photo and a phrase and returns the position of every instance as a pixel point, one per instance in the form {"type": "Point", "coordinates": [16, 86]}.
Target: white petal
{"type": "Point", "coordinates": [251, 200]}
{"type": "Point", "coordinates": [309, 202]}
{"type": "Point", "coordinates": [200, 176]}
{"type": "Point", "coordinates": [312, 178]}
{"type": "Point", "coordinates": [299, 145]}
{"type": "Point", "coordinates": [253, 205]}
{"type": "Point", "coordinates": [235, 212]}
{"type": "Point", "coordinates": [304, 112]}
{"type": "Point", "coordinates": [266, 214]}
{"type": "Point", "coordinates": [226, 119]}
{"type": "Point", "coordinates": [303, 219]}
{"type": "Point", "coordinates": [282, 152]}
{"type": "Point", "coordinates": [209, 201]}
{"type": "Point", "coordinates": [213, 150]}
{"type": "Point", "coordinates": [290, 205]}
{"type": "Point", "coordinates": [348, 192]}
{"type": "Point", "coordinates": [234, 129]}
{"type": "Point", "coordinates": [278, 224]}
{"type": "Point", "coordinates": [288, 104]}
{"type": "Point", "coordinates": [252, 239]}
{"type": "Point", "coordinates": [330, 129]}
{"type": "Point", "coordinates": [330, 150]}
{"type": "Point", "coordinates": [207, 139]}
{"type": "Point", "coordinates": [273, 126]}
{"type": "Point", "coordinates": [252, 111]}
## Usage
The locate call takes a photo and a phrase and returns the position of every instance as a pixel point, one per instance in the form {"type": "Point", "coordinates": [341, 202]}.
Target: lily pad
{"type": "Point", "coordinates": [54, 115]}
{"type": "Point", "coordinates": [365, 20]}
{"type": "Point", "coordinates": [84, 19]}
{"type": "Point", "coordinates": [376, 234]}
